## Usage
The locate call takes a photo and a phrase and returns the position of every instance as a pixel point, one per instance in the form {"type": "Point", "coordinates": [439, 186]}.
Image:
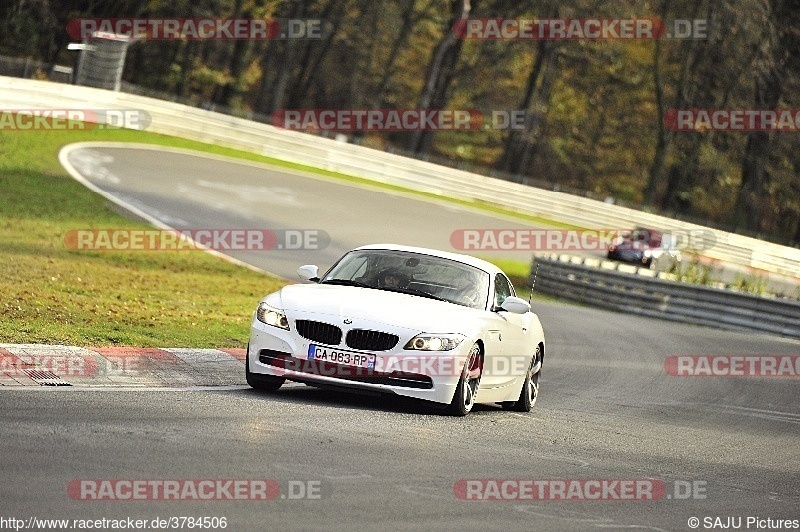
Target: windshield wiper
{"type": "Point", "coordinates": [413, 292]}
{"type": "Point", "coordinates": [346, 282]}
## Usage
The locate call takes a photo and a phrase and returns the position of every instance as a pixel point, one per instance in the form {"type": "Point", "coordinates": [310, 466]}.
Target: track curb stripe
{"type": "Point", "coordinates": [120, 366]}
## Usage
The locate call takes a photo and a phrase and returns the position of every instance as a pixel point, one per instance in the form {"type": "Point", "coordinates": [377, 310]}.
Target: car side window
{"type": "Point", "coordinates": [502, 289]}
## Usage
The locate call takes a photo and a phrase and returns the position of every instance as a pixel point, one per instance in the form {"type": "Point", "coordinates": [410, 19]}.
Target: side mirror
{"type": "Point", "coordinates": [309, 272]}
{"type": "Point", "coordinates": [516, 305]}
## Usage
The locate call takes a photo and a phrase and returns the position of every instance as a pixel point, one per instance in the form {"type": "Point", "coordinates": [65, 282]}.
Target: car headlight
{"type": "Point", "coordinates": [434, 342]}
{"type": "Point", "coordinates": [271, 316]}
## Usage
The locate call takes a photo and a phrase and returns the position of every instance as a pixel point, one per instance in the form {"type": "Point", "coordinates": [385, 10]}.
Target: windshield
{"type": "Point", "coordinates": [412, 273]}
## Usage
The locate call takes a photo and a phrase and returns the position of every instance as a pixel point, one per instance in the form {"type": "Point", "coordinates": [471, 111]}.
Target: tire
{"type": "Point", "coordinates": [530, 388]}
{"type": "Point", "coordinates": [264, 383]}
{"type": "Point", "coordinates": [467, 389]}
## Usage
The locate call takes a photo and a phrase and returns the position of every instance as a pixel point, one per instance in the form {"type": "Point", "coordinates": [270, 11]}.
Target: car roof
{"type": "Point", "coordinates": [488, 267]}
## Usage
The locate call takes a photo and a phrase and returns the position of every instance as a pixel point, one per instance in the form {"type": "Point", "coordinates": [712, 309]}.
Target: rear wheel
{"type": "Point", "coordinates": [467, 389]}
{"type": "Point", "coordinates": [530, 388]}
{"type": "Point", "coordinates": [264, 383]}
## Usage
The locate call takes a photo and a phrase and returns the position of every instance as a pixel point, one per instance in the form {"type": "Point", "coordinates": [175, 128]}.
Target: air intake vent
{"type": "Point", "coordinates": [316, 331]}
{"type": "Point", "coordinates": [371, 340]}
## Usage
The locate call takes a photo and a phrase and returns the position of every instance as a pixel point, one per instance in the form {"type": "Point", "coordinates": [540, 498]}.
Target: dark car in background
{"type": "Point", "coordinates": [645, 247]}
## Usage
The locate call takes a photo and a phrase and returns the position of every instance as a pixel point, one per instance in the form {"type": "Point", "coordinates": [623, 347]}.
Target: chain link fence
{"type": "Point", "coordinates": [19, 67]}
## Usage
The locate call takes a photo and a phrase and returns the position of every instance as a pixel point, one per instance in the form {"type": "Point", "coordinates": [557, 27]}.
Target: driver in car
{"type": "Point", "coordinates": [392, 278]}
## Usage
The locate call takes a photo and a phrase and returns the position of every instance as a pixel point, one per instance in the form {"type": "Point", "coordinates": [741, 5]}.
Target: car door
{"type": "Point", "coordinates": [505, 350]}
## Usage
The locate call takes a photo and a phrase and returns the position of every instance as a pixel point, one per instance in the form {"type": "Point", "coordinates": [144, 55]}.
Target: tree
{"type": "Point", "coordinates": [781, 56]}
{"type": "Point", "coordinates": [440, 72]}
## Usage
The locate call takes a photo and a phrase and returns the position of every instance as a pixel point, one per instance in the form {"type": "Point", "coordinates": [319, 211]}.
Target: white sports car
{"type": "Point", "coordinates": [415, 322]}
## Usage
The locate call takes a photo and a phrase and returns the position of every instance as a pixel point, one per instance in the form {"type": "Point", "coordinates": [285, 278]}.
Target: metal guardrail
{"type": "Point", "coordinates": [206, 126]}
{"type": "Point", "coordinates": [683, 302]}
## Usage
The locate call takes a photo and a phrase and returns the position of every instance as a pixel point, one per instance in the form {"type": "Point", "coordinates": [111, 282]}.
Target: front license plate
{"type": "Point", "coordinates": [348, 358]}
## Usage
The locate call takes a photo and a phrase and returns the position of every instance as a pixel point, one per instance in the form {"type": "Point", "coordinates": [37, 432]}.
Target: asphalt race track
{"type": "Point", "coordinates": [715, 447]}
{"type": "Point", "coordinates": [191, 192]}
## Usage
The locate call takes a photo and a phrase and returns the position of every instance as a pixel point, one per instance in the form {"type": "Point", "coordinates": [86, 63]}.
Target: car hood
{"type": "Point", "coordinates": [368, 307]}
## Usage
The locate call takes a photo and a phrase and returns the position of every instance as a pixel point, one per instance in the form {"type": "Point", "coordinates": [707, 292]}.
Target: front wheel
{"type": "Point", "coordinates": [530, 388]}
{"type": "Point", "coordinates": [467, 389]}
{"type": "Point", "coordinates": [265, 383]}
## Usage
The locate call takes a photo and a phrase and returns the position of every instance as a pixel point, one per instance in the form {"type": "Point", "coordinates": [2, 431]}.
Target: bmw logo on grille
{"type": "Point", "coordinates": [348, 321]}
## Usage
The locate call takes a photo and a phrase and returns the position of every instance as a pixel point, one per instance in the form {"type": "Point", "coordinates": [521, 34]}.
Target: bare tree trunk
{"type": "Point", "coordinates": [287, 63]}
{"type": "Point", "coordinates": [403, 35]}
{"type": "Point", "coordinates": [688, 58]}
{"type": "Point", "coordinates": [186, 68]}
{"type": "Point", "coordinates": [439, 73]}
{"type": "Point", "coordinates": [267, 68]}
{"type": "Point", "coordinates": [769, 87]}
{"type": "Point", "coordinates": [237, 62]}
{"type": "Point", "coordinates": [517, 153]}
{"type": "Point", "coordinates": [704, 81]}
{"type": "Point", "coordinates": [662, 135]}
{"type": "Point", "coordinates": [311, 67]}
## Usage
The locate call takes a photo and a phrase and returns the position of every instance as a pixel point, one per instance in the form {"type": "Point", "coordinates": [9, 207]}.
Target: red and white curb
{"type": "Point", "coordinates": [60, 365]}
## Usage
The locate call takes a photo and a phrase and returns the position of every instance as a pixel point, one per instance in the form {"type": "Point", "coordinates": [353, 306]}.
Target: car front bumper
{"type": "Point", "coordinates": [430, 376]}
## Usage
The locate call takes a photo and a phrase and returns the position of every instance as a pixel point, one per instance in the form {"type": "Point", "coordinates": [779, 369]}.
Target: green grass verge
{"type": "Point", "coordinates": [49, 294]}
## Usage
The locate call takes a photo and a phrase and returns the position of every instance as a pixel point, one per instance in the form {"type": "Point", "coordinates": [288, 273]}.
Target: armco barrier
{"type": "Point", "coordinates": [644, 295]}
{"type": "Point", "coordinates": [206, 126]}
